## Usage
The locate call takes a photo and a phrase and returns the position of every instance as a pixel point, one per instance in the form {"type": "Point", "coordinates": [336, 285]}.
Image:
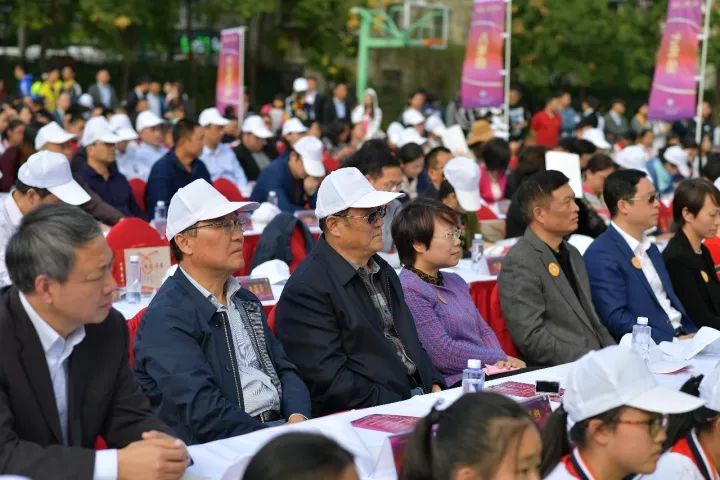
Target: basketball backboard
{"type": "Point", "coordinates": [422, 21]}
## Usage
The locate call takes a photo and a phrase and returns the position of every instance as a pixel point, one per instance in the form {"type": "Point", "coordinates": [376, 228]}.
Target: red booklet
{"type": "Point", "coordinates": [519, 389]}
{"type": "Point", "coordinates": [386, 423]}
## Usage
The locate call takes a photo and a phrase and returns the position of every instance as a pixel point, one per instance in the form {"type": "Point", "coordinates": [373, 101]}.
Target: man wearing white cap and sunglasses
{"type": "Point", "coordinates": [100, 172]}
{"type": "Point", "coordinates": [250, 153]}
{"type": "Point", "coordinates": [53, 138]}
{"type": "Point", "coordinates": [342, 317]}
{"type": "Point", "coordinates": [218, 157]}
{"type": "Point", "coordinates": [204, 354]}
{"type": "Point", "coordinates": [44, 178]}
{"type": "Point", "coordinates": [296, 180]}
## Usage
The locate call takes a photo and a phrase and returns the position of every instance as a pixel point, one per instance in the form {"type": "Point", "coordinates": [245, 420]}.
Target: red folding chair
{"type": "Point", "coordinates": [229, 190]}
{"type": "Point", "coordinates": [713, 244]}
{"type": "Point", "coordinates": [138, 187]}
{"type": "Point", "coordinates": [130, 233]}
{"type": "Point", "coordinates": [496, 320]}
{"type": "Point", "coordinates": [485, 213]}
{"type": "Point", "coordinates": [297, 248]}
{"type": "Point", "coordinates": [133, 324]}
{"type": "Point", "coordinates": [271, 320]}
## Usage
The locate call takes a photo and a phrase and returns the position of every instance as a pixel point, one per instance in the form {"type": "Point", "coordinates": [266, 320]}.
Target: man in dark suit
{"type": "Point", "coordinates": [544, 288]}
{"type": "Point", "coordinates": [336, 108]}
{"type": "Point", "coordinates": [342, 317]}
{"type": "Point", "coordinates": [627, 273]}
{"type": "Point", "coordinates": [64, 376]}
{"type": "Point", "coordinates": [103, 94]}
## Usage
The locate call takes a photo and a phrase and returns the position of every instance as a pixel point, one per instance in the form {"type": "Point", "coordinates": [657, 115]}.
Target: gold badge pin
{"type": "Point", "coordinates": [704, 276]}
{"type": "Point", "coordinates": [636, 263]}
{"type": "Point", "coordinates": [554, 269]}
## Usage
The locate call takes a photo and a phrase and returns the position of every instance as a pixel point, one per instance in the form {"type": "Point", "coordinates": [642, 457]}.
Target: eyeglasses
{"type": "Point", "coordinates": [371, 217]}
{"type": "Point", "coordinates": [228, 226]}
{"type": "Point", "coordinates": [655, 425]}
{"type": "Point", "coordinates": [451, 234]}
{"type": "Point", "coordinates": [650, 198]}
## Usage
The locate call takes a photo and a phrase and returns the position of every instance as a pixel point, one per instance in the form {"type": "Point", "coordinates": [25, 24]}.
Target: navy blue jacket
{"type": "Point", "coordinates": [275, 240]}
{"type": "Point", "coordinates": [114, 191]}
{"type": "Point", "coordinates": [290, 192]}
{"type": "Point", "coordinates": [183, 364]}
{"type": "Point", "coordinates": [621, 293]}
{"type": "Point", "coordinates": [331, 330]}
{"type": "Point", "coordinates": [168, 176]}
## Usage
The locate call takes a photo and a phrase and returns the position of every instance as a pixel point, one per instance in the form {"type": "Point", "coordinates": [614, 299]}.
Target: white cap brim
{"type": "Point", "coordinates": [126, 134]}
{"type": "Point", "coordinates": [469, 201]}
{"type": "Point", "coordinates": [375, 199]}
{"type": "Point", "coordinates": [666, 401]}
{"type": "Point", "coordinates": [58, 140]}
{"type": "Point", "coordinates": [209, 213]}
{"type": "Point", "coordinates": [220, 122]}
{"type": "Point", "coordinates": [313, 168]}
{"type": "Point", "coordinates": [261, 132]}
{"type": "Point", "coordinates": [71, 193]}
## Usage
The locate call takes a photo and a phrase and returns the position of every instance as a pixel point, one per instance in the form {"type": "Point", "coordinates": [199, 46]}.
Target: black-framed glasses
{"type": "Point", "coordinates": [650, 198]}
{"type": "Point", "coordinates": [371, 217]}
{"type": "Point", "coordinates": [655, 424]}
{"type": "Point", "coordinates": [228, 226]}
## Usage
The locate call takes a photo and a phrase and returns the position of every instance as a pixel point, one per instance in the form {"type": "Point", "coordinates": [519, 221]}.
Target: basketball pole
{"type": "Point", "coordinates": [701, 79]}
{"type": "Point", "coordinates": [508, 40]}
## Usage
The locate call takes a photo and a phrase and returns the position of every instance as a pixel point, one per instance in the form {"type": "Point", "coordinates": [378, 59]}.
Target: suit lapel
{"type": "Point", "coordinates": [628, 254]}
{"type": "Point", "coordinates": [35, 365]}
{"type": "Point", "coordinates": [79, 363]}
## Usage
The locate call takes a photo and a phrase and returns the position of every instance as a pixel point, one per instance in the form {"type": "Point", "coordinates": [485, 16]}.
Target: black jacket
{"type": "Point", "coordinates": [275, 240]}
{"type": "Point", "coordinates": [247, 162]}
{"type": "Point", "coordinates": [700, 298]}
{"type": "Point", "coordinates": [103, 398]}
{"type": "Point", "coordinates": [331, 330]}
{"type": "Point", "coordinates": [184, 359]}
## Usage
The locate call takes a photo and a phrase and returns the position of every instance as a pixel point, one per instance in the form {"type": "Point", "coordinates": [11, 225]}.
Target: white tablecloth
{"type": "Point", "coordinates": [373, 456]}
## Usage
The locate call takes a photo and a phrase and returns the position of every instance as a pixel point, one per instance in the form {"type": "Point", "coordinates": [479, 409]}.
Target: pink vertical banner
{"type": "Point", "coordinates": [229, 89]}
{"type": "Point", "coordinates": [674, 85]}
{"type": "Point", "coordinates": [482, 79]}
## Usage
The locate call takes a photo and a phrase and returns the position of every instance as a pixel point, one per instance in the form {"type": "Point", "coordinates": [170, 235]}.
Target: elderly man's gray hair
{"type": "Point", "coordinates": [45, 243]}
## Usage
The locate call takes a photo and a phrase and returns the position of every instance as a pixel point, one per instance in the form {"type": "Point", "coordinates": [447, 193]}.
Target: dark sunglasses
{"type": "Point", "coordinates": [371, 217]}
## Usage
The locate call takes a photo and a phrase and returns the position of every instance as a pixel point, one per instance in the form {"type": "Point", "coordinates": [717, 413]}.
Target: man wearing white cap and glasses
{"type": "Point", "coordinates": [150, 149]}
{"type": "Point", "coordinates": [100, 172]}
{"type": "Point", "coordinates": [52, 138]}
{"type": "Point", "coordinates": [218, 157]}
{"type": "Point", "coordinates": [44, 178]}
{"type": "Point", "coordinates": [204, 354]}
{"type": "Point", "coordinates": [295, 180]}
{"type": "Point", "coordinates": [695, 453]}
{"type": "Point", "coordinates": [250, 152]}
{"type": "Point", "coordinates": [342, 317]}
{"type": "Point", "coordinates": [124, 149]}
{"type": "Point", "coordinates": [614, 416]}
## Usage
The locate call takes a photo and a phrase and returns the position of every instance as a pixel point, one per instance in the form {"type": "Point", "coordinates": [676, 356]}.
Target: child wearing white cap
{"type": "Point", "coordinates": [695, 455]}
{"type": "Point", "coordinates": [613, 419]}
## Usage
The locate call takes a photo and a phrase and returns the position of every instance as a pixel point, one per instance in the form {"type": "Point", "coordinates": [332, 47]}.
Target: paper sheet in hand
{"type": "Point", "coordinates": [453, 139]}
{"type": "Point", "coordinates": [569, 164]}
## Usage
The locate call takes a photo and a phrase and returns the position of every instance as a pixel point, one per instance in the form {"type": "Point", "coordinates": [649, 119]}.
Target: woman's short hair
{"type": "Point", "coordinates": [410, 152]}
{"type": "Point", "coordinates": [691, 194]}
{"type": "Point", "coordinates": [299, 456]}
{"type": "Point", "coordinates": [415, 222]}
{"type": "Point", "coordinates": [600, 162]}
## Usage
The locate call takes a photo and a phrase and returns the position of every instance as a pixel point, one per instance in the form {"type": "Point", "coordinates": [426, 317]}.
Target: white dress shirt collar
{"type": "Point", "coordinates": [637, 247]}
{"type": "Point", "coordinates": [48, 336]}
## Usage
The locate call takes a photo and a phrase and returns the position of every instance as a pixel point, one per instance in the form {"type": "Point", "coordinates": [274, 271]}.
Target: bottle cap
{"type": "Point", "coordinates": [642, 320]}
{"type": "Point", "coordinates": [474, 363]}
{"type": "Point", "coordinates": [161, 203]}
{"type": "Point", "coordinates": [134, 258]}
{"type": "Point", "coordinates": [478, 236]}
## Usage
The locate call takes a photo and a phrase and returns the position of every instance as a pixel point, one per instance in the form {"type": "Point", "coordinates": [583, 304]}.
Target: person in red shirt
{"type": "Point", "coordinates": [547, 124]}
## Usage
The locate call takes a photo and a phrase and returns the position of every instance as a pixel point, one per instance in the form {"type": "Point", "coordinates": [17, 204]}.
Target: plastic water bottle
{"type": "Point", "coordinates": [133, 276]}
{"type": "Point", "coordinates": [272, 197]}
{"type": "Point", "coordinates": [477, 250]}
{"type": "Point", "coordinates": [160, 218]}
{"type": "Point", "coordinates": [473, 377]}
{"type": "Point", "coordinates": [641, 338]}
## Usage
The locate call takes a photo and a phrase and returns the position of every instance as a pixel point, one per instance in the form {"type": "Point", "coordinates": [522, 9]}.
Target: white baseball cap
{"type": "Point", "coordinates": [678, 157]}
{"type": "Point", "coordinates": [348, 188]}
{"type": "Point", "coordinates": [255, 125]}
{"type": "Point", "coordinates": [717, 183]}
{"type": "Point", "coordinates": [52, 133]}
{"type": "Point", "coordinates": [51, 171]}
{"type": "Point", "coordinates": [199, 201]}
{"type": "Point", "coordinates": [435, 125]}
{"type": "Point", "coordinates": [393, 132]}
{"type": "Point", "coordinates": [412, 117]}
{"type": "Point", "coordinates": [147, 119]}
{"type": "Point", "coordinates": [633, 156]}
{"type": "Point", "coordinates": [310, 150]}
{"type": "Point", "coordinates": [615, 376]}
{"type": "Point", "coordinates": [86, 100]}
{"type": "Point", "coordinates": [98, 129]}
{"type": "Point", "coordinates": [294, 125]}
{"type": "Point", "coordinates": [300, 85]}
{"type": "Point", "coordinates": [409, 135]}
{"type": "Point", "coordinates": [463, 173]}
{"type": "Point", "coordinates": [710, 389]}
{"type": "Point", "coordinates": [211, 116]}
{"type": "Point", "coordinates": [121, 126]}
{"type": "Point", "coordinates": [596, 137]}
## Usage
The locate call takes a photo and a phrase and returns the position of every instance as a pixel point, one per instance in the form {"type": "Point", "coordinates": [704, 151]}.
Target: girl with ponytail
{"type": "Point", "coordinates": [481, 436]}
{"type": "Point", "coordinates": [613, 420]}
